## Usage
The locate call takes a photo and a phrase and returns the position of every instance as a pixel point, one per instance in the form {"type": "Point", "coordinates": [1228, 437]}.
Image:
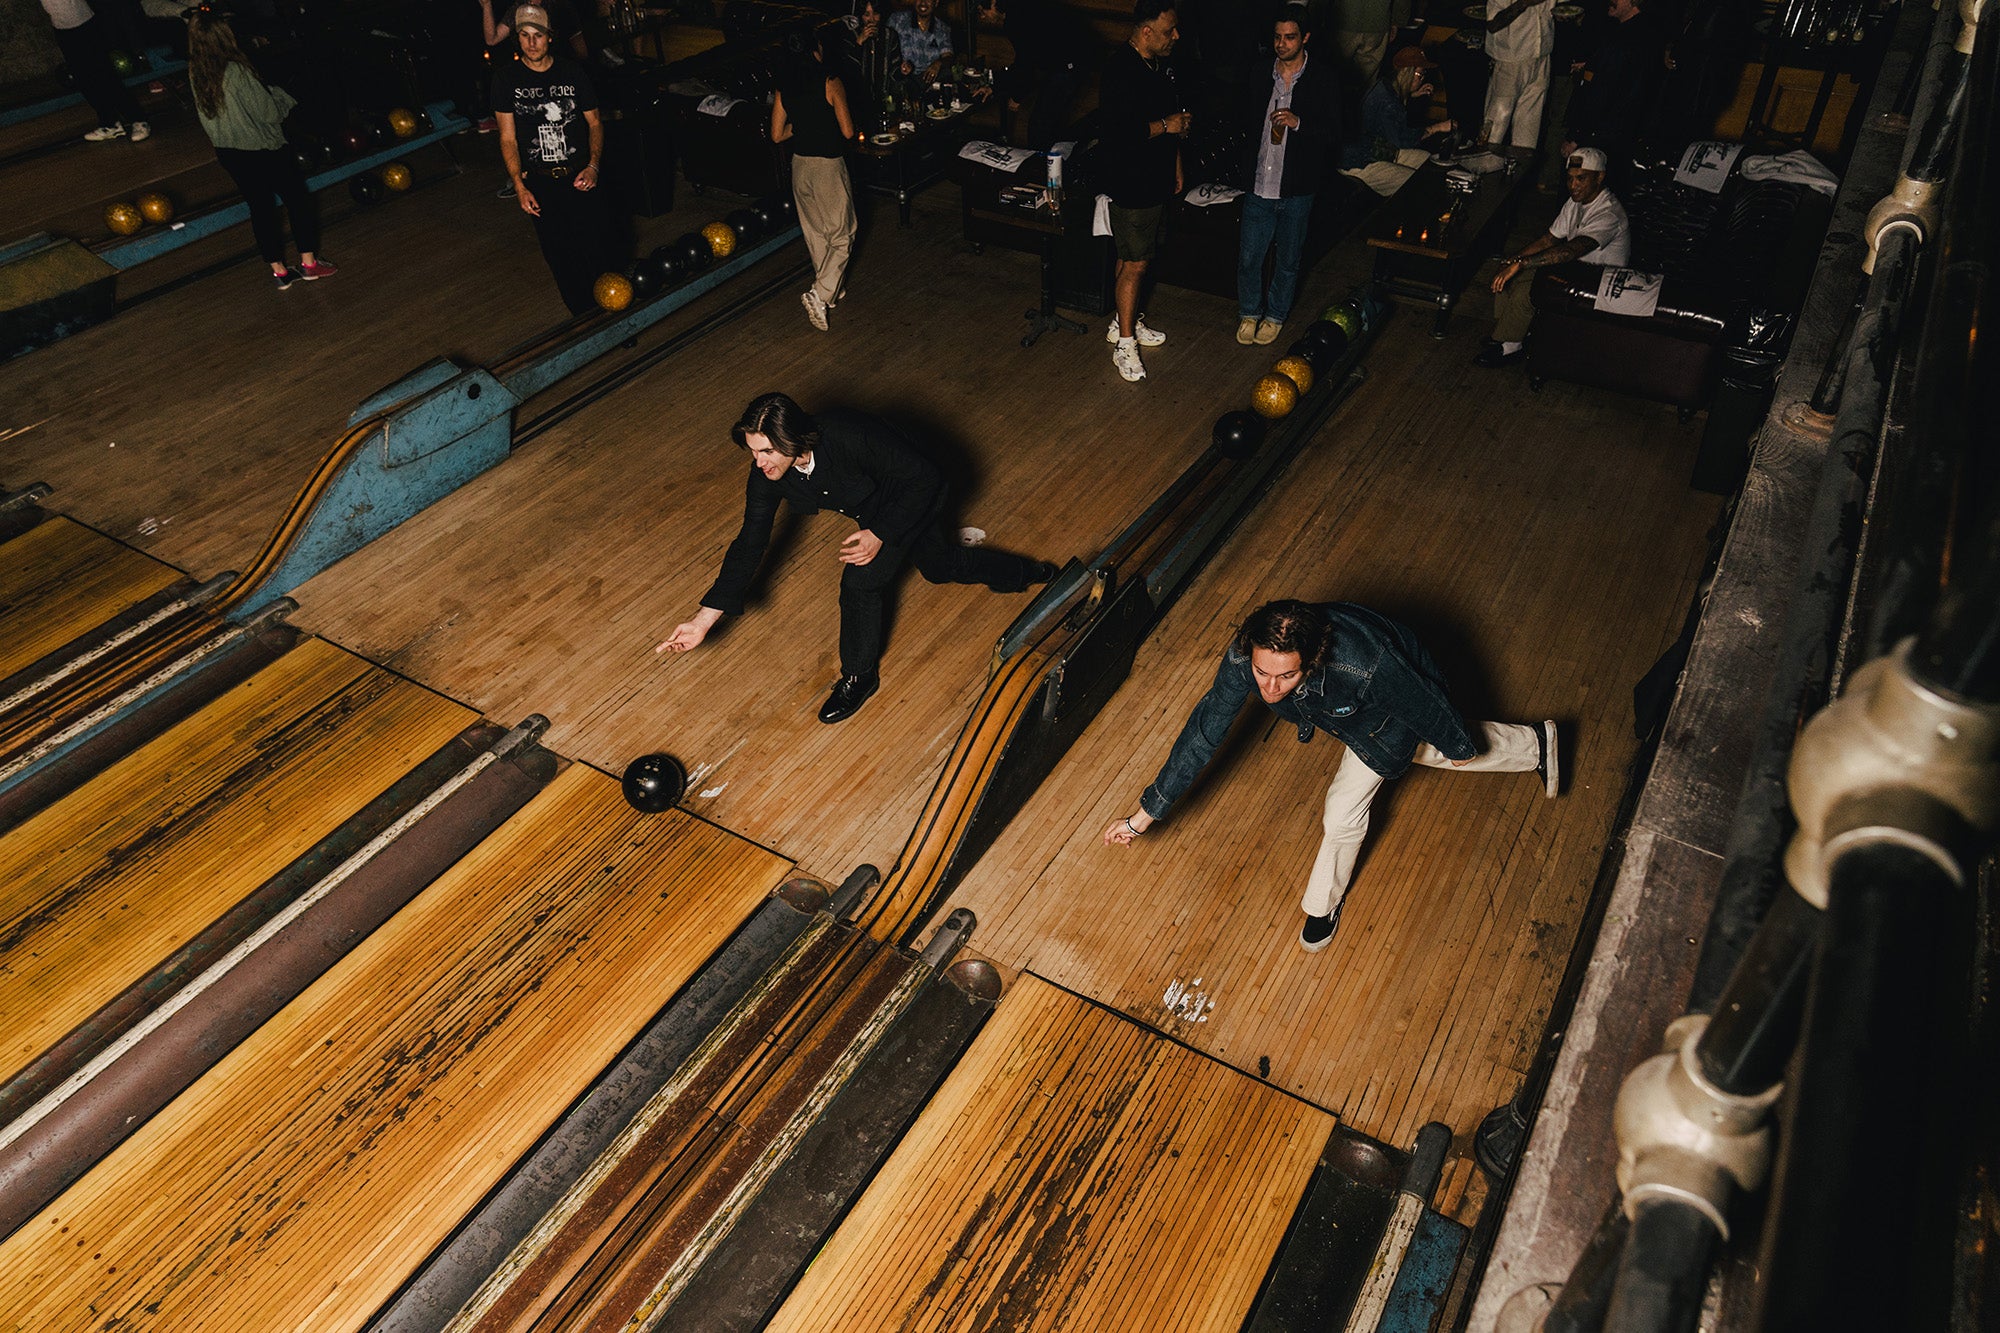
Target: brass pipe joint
{"type": "Point", "coordinates": [1681, 1139]}
{"type": "Point", "coordinates": [1968, 25]}
{"type": "Point", "coordinates": [1891, 761]}
{"type": "Point", "coordinates": [1910, 205]}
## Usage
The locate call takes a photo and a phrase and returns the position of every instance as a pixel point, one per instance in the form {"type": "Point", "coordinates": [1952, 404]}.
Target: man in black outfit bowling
{"type": "Point", "coordinates": [551, 138]}
{"type": "Point", "coordinates": [866, 469]}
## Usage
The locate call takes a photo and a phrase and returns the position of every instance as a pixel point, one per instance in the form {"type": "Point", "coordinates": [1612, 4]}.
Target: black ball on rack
{"type": "Point", "coordinates": [1312, 353]}
{"type": "Point", "coordinates": [648, 280]}
{"type": "Point", "coordinates": [788, 211]}
{"type": "Point", "coordinates": [1330, 336]}
{"type": "Point", "coordinates": [367, 188]}
{"type": "Point", "coordinates": [695, 254]}
{"type": "Point", "coordinates": [745, 223]}
{"type": "Point", "coordinates": [1237, 434]}
{"type": "Point", "coordinates": [654, 782]}
{"type": "Point", "coordinates": [668, 259]}
{"type": "Point", "coordinates": [768, 215]}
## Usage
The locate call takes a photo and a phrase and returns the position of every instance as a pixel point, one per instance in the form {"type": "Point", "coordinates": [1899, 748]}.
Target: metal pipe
{"type": "Point", "coordinates": [1662, 1271]}
{"type": "Point", "coordinates": [1750, 1039]}
{"type": "Point", "coordinates": [1586, 1296]}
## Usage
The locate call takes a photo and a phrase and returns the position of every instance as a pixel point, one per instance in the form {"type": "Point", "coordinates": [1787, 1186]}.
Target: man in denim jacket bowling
{"type": "Point", "coordinates": [1364, 679]}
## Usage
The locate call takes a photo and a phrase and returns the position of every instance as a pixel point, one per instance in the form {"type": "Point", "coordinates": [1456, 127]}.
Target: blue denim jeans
{"type": "Point", "coordinates": [1266, 221]}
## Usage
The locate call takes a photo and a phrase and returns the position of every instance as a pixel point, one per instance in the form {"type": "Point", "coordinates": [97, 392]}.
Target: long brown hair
{"type": "Point", "coordinates": [212, 49]}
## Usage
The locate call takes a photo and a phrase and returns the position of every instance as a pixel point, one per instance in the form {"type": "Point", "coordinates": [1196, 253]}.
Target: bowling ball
{"type": "Point", "coordinates": [124, 64]}
{"type": "Point", "coordinates": [402, 122]}
{"type": "Point", "coordinates": [352, 143]}
{"type": "Point", "coordinates": [1347, 317]}
{"type": "Point", "coordinates": [396, 176]}
{"type": "Point", "coordinates": [668, 258]}
{"type": "Point", "coordinates": [647, 280]}
{"type": "Point", "coordinates": [721, 239]}
{"type": "Point", "coordinates": [1330, 336]}
{"type": "Point", "coordinates": [374, 133]}
{"type": "Point", "coordinates": [124, 219]}
{"type": "Point", "coordinates": [156, 207]}
{"type": "Point", "coordinates": [654, 782]}
{"type": "Point", "coordinates": [769, 219]}
{"type": "Point", "coordinates": [695, 254]}
{"type": "Point", "coordinates": [1296, 369]}
{"type": "Point", "coordinates": [367, 189]}
{"type": "Point", "coordinates": [1238, 434]}
{"type": "Point", "coordinates": [747, 225]}
{"type": "Point", "coordinates": [613, 291]}
{"type": "Point", "coordinates": [1274, 396]}
{"type": "Point", "coordinates": [304, 159]}
{"type": "Point", "coordinates": [788, 211]}
{"type": "Point", "coordinates": [1310, 352]}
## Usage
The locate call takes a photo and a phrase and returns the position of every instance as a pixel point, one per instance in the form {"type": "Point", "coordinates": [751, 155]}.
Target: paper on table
{"type": "Point", "coordinates": [717, 104]}
{"type": "Point", "coordinates": [994, 155]}
{"type": "Point", "coordinates": [1706, 163]}
{"type": "Point", "coordinates": [1627, 291]}
{"type": "Point", "coordinates": [1201, 196]}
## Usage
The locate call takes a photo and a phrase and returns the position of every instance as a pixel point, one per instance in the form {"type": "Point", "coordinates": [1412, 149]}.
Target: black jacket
{"type": "Point", "coordinates": [1316, 102]}
{"type": "Point", "coordinates": [862, 467]}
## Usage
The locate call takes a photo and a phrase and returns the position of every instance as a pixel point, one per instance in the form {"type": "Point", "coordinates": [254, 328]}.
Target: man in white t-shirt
{"type": "Point", "coordinates": [1592, 226]}
{"type": "Point", "coordinates": [1520, 34]}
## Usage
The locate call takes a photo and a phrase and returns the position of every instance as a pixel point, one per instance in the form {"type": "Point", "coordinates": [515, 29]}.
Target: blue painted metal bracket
{"type": "Point", "coordinates": [130, 254]}
{"type": "Point", "coordinates": [162, 65]}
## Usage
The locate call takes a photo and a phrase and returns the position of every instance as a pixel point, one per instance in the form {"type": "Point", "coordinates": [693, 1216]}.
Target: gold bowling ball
{"type": "Point", "coordinates": [1274, 397]}
{"type": "Point", "coordinates": [1297, 370]}
{"type": "Point", "coordinates": [721, 238]}
{"type": "Point", "coordinates": [402, 122]}
{"type": "Point", "coordinates": [156, 207]}
{"type": "Point", "coordinates": [613, 291]}
{"type": "Point", "coordinates": [396, 176]}
{"type": "Point", "coordinates": [123, 219]}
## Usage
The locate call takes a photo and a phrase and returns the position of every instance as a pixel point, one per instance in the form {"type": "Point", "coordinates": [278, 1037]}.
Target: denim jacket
{"type": "Point", "coordinates": [1378, 692]}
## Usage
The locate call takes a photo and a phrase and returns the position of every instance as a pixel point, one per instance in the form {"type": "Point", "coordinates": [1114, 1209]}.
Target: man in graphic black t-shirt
{"type": "Point", "coordinates": [551, 138]}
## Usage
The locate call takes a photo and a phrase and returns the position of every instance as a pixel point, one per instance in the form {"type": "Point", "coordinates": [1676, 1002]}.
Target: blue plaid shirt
{"type": "Point", "coordinates": [922, 49]}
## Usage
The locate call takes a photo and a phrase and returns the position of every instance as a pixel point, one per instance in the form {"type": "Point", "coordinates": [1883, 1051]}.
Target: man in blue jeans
{"type": "Point", "coordinates": [1365, 680]}
{"type": "Point", "coordinates": [1294, 126]}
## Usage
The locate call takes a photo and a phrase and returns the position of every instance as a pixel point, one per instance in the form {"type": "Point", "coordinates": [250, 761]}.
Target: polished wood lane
{"type": "Point", "coordinates": [1075, 1171]}
{"type": "Point", "coordinates": [300, 1181]}
{"type": "Point", "coordinates": [59, 579]}
{"type": "Point", "coordinates": [96, 890]}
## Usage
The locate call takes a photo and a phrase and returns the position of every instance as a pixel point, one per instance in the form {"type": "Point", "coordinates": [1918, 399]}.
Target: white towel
{"type": "Point", "coordinates": [1627, 291]}
{"type": "Point", "coordinates": [1100, 220]}
{"type": "Point", "coordinates": [1706, 163]}
{"type": "Point", "coordinates": [717, 104]}
{"type": "Point", "coordinates": [1798, 166]}
{"type": "Point", "coordinates": [1201, 196]}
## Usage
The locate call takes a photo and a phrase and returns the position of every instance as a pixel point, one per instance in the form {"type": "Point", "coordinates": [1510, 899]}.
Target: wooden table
{"type": "Point", "coordinates": [914, 159]}
{"type": "Point", "coordinates": [1429, 239]}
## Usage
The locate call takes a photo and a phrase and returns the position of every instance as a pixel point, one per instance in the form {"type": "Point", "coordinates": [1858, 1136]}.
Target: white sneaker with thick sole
{"type": "Point", "coordinates": [1125, 356]}
{"type": "Point", "coordinates": [140, 131]}
{"type": "Point", "coordinates": [815, 309]}
{"type": "Point", "coordinates": [1142, 333]}
{"type": "Point", "coordinates": [1550, 766]}
{"type": "Point", "coordinates": [104, 132]}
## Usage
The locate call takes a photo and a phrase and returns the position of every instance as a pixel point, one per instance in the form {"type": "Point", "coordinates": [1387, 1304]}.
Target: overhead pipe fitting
{"type": "Point", "coordinates": [1911, 206]}
{"type": "Point", "coordinates": [1891, 760]}
{"type": "Point", "coordinates": [1683, 1140]}
{"type": "Point", "coordinates": [1968, 26]}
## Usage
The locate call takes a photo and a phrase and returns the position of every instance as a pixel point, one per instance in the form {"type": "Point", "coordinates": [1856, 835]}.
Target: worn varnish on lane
{"type": "Point", "coordinates": [305, 1176]}
{"type": "Point", "coordinates": [99, 888]}
{"type": "Point", "coordinates": [59, 580]}
{"type": "Point", "coordinates": [1075, 1172]}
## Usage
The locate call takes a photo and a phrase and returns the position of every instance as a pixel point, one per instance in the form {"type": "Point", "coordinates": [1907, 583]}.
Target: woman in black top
{"type": "Point", "coordinates": [810, 111]}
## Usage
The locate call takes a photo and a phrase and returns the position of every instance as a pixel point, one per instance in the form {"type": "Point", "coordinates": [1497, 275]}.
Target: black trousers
{"type": "Point", "coordinates": [940, 558]}
{"type": "Point", "coordinates": [87, 52]}
{"type": "Point", "coordinates": [264, 176]}
{"type": "Point", "coordinates": [575, 231]}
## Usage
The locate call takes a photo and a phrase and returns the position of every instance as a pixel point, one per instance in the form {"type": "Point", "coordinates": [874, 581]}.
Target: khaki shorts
{"type": "Point", "coordinates": [1135, 232]}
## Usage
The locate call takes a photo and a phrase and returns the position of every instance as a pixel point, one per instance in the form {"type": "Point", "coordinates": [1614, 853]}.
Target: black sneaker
{"type": "Point", "coordinates": [286, 279]}
{"type": "Point", "coordinates": [1041, 571]}
{"type": "Point", "coordinates": [1318, 930]}
{"type": "Point", "coordinates": [1550, 764]}
{"type": "Point", "coordinates": [849, 693]}
{"type": "Point", "coordinates": [1496, 355]}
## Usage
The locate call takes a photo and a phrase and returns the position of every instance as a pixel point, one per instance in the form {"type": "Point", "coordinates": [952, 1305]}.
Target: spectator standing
{"type": "Point", "coordinates": [245, 119]}
{"type": "Point", "coordinates": [1052, 50]}
{"type": "Point", "coordinates": [552, 140]}
{"type": "Point", "coordinates": [1615, 85]}
{"type": "Point", "coordinates": [1294, 126]}
{"type": "Point", "coordinates": [86, 52]}
{"type": "Point", "coordinates": [1520, 35]}
{"type": "Point", "coordinates": [1591, 226]}
{"type": "Point", "coordinates": [1362, 29]}
{"type": "Point", "coordinates": [810, 112]}
{"type": "Point", "coordinates": [924, 40]}
{"type": "Point", "coordinates": [1388, 148]}
{"type": "Point", "coordinates": [1142, 123]}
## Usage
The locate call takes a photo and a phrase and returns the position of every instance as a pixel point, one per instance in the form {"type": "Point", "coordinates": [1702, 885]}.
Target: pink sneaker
{"type": "Point", "coordinates": [319, 268]}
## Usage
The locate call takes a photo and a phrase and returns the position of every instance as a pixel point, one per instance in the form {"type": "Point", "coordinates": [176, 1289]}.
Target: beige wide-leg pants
{"type": "Point", "coordinates": [825, 198]}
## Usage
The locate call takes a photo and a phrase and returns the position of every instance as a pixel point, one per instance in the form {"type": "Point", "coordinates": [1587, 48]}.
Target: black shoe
{"type": "Point", "coordinates": [1318, 930]}
{"type": "Point", "coordinates": [1493, 356]}
{"type": "Point", "coordinates": [283, 281]}
{"type": "Point", "coordinates": [1041, 571]}
{"type": "Point", "coordinates": [849, 693]}
{"type": "Point", "coordinates": [1550, 764]}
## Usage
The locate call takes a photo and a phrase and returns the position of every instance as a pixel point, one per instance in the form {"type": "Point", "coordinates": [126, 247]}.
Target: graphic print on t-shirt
{"type": "Point", "coordinates": [551, 109]}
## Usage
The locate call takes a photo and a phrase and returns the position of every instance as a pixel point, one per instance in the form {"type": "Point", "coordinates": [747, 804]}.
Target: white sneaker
{"type": "Point", "coordinates": [815, 309]}
{"type": "Point", "coordinates": [1125, 356]}
{"type": "Point", "coordinates": [1550, 763]}
{"type": "Point", "coordinates": [104, 132]}
{"type": "Point", "coordinates": [1142, 333]}
{"type": "Point", "coordinates": [141, 131]}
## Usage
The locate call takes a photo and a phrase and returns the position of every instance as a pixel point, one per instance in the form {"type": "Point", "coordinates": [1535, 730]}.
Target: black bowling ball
{"type": "Point", "coordinates": [1330, 336]}
{"type": "Point", "coordinates": [367, 188]}
{"type": "Point", "coordinates": [787, 210]}
{"type": "Point", "coordinates": [648, 280]}
{"type": "Point", "coordinates": [1310, 352]}
{"type": "Point", "coordinates": [654, 782]}
{"type": "Point", "coordinates": [668, 258]}
{"type": "Point", "coordinates": [376, 133]}
{"type": "Point", "coordinates": [745, 223]}
{"type": "Point", "coordinates": [695, 254]}
{"type": "Point", "coordinates": [1237, 434]}
{"type": "Point", "coordinates": [768, 216]}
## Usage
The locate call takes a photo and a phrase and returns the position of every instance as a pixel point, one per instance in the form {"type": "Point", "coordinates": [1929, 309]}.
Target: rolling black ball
{"type": "Point", "coordinates": [654, 782]}
{"type": "Point", "coordinates": [748, 227]}
{"type": "Point", "coordinates": [1237, 434]}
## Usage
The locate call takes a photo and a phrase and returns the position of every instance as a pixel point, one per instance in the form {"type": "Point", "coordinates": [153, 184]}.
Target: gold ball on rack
{"type": "Point", "coordinates": [721, 238]}
{"type": "Point", "coordinates": [1275, 396]}
{"type": "Point", "coordinates": [613, 291]}
{"type": "Point", "coordinates": [1296, 369]}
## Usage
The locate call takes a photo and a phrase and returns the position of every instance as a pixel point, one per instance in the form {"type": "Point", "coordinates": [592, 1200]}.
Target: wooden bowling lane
{"type": "Point", "coordinates": [1545, 547]}
{"type": "Point", "coordinates": [1075, 1171]}
{"type": "Point", "coordinates": [96, 890]}
{"type": "Point", "coordinates": [302, 1179]}
{"type": "Point", "coordinates": [66, 191]}
{"type": "Point", "coordinates": [59, 580]}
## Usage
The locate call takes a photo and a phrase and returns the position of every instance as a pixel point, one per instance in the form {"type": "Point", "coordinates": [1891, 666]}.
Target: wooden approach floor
{"type": "Point", "coordinates": [59, 580]}
{"type": "Point", "coordinates": [299, 1182]}
{"type": "Point", "coordinates": [1074, 1172]}
{"type": "Point", "coordinates": [99, 888]}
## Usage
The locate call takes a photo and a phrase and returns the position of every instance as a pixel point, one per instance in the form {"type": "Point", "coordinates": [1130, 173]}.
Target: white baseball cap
{"type": "Point", "coordinates": [1589, 159]}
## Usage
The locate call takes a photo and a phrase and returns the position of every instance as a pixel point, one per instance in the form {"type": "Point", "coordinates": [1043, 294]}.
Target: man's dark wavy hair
{"type": "Point", "coordinates": [1145, 11]}
{"type": "Point", "coordinates": [1287, 626]}
{"type": "Point", "coordinates": [791, 429]}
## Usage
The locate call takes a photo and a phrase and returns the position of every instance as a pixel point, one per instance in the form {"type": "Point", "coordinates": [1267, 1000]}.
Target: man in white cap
{"type": "Point", "coordinates": [1591, 226]}
{"type": "Point", "coordinates": [552, 140]}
